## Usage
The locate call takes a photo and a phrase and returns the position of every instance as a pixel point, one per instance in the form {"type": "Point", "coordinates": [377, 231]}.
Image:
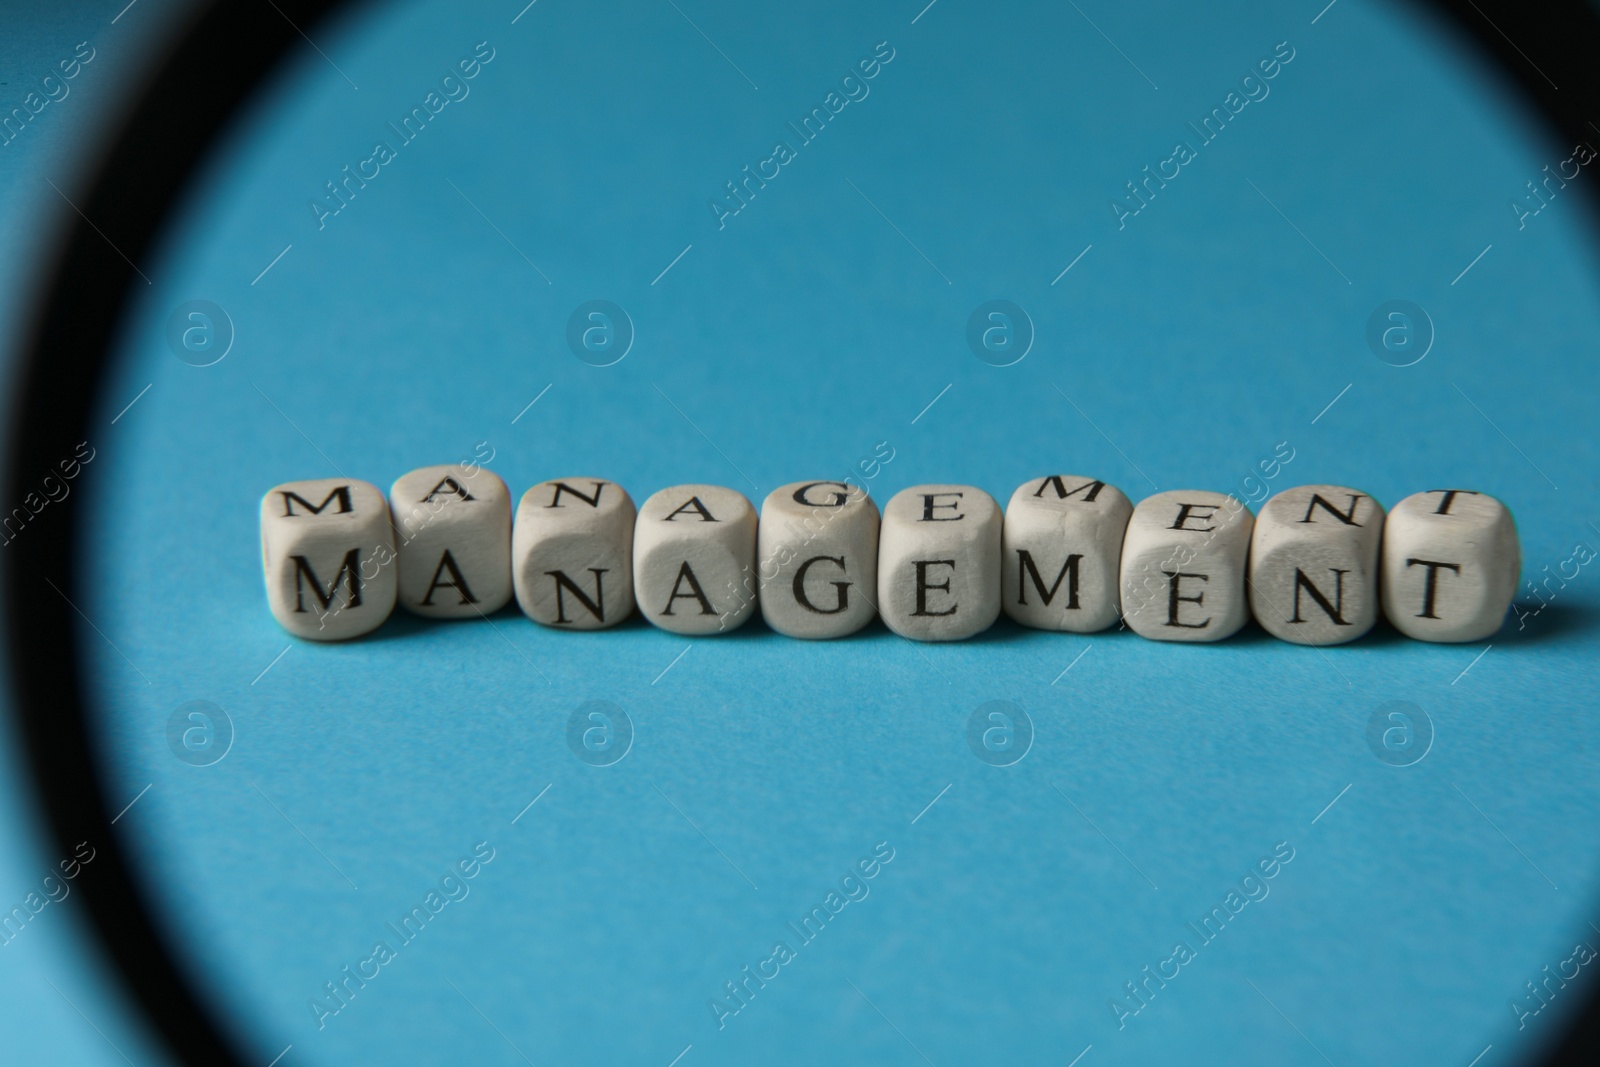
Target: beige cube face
{"type": "Point", "coordinates": [453, 526]}
{"type": "Point", "coordinates": [694, 559]}
{"type": "Point", "coordinates": [1062, 552]}
{"type": "Point", "coordinates": [572, 553]}
{"type": "Point", "coordinates": [817, 548]}
{"type": "Point", "coordinates": [327, 552]}
{"type": "Point", "coordinates": [939, 562]}
{"type": "Point", "coordinates": [1314, 564]}
{"type": "Point", "coordinates": [1451, 561]}
{"type": "Point", "coordinates": [1183, 566]}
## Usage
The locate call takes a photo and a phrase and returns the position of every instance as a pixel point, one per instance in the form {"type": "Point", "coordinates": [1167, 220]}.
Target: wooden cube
{"type": "Point", "coordinates": [817, 547]}
{"type": "Point", "coordinates": [1314, 564]}
{"type": "Point", "coordinates": [939, 562]}
{"type": "Point", "coordinates": [1451, 562]}
{"type": "Point", "coordinates": [1183, 566]}
{"type": "Point", "coordinates": [327, 551]}
{"type": "Point", "coordinates": [453, 526]}
{"type": "Point", "coordinates": [1062, 550]}
{"type": "Point", "coordinates": [694, 559]}
{"type": "Point", "coordinates": [572, 553]}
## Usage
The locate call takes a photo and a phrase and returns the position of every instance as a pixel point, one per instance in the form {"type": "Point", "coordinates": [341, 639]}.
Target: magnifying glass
{"type": "Point", "coordinates": [1231, 248]}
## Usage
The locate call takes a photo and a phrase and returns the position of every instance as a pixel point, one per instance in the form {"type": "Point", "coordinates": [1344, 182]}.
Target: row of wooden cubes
{"type": "Point", "coordinates": [1069, 553]}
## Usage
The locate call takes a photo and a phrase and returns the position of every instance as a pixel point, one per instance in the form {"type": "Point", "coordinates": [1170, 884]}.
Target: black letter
{"type": "Point", "coordinates": [838, 500]}
{"type": "Point", "coordinates": [1334, 611]}
{"type": "Point", "coordinates": [593, 502]}
{"type": "Point", "coordinates": [1183, 517]}
{"type": "Point", "coordinates": [349, 572]}
{"type": "Point", "coordinates": [341, 493]}
{"type": "Point", "coordinates": [597, 606]}
{"type": "Point", "coordinates": [923, 585]}
{"type": "Point", "coordinates": [1174, 578]}
{"type": "Point", "coordinates": [1061, 489]}
{"type": "Point", "coordinates": [447, 562]}
{"type": "Point", "coordinates": [684, 572]}
{"type": "Point", "coordinates": [1348, 518]}
{"type": "Point", "coordinates": [1430, 585]}
{"type": "Point", "coordinates": [455, 488]}
{"type": "Point", "coordinates": [800, 580]}
{"type": "Point", "coordinates": [694, 503]}
{"type": "Point", "coordinates": [1448, 499]}
{"type": "Point", "coordinates": [1069, 570]}
{"type": "Point", "coordinates": [928, 505]}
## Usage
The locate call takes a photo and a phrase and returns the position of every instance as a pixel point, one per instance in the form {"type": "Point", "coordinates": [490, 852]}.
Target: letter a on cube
{"type": "Point", "coordinates": [572, 553]}
{"type": "Point", "coordinates": [1183, 566]}
{"type": "Point", "coordinates": [694, 555]}
{"type": "Point", "coordinates": [1314, 564]}
{"type": "Point", "coordinates": [454, 526]}
{"type": "Point", "coordinates": [327, 552]}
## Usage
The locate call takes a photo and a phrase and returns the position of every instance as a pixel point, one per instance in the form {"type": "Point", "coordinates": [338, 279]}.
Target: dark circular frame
{"type": "Point", "coordinates": [220, 61]}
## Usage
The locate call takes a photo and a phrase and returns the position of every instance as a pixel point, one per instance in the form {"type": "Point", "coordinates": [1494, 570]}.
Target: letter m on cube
{"type": "Point", "coordinates": [327, 554]}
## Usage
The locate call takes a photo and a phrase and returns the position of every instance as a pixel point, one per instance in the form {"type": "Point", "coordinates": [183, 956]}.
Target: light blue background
{"type": "Point", "coordinates": [1177, 352]}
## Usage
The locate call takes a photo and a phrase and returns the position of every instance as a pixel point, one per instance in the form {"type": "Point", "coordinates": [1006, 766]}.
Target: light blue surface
{"type": "Point", "coordinates": [1177, 352]}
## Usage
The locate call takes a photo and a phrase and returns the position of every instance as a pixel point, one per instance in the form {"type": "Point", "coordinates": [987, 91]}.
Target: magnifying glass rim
{"type": "Point", "coordinates": [224, 58]}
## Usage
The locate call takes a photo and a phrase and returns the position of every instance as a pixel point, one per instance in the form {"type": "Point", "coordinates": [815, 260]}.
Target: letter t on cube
{"type": "Point", "coordinates": [1451, 561]}
{"type": "Point", "coordinates": [327, 551]}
